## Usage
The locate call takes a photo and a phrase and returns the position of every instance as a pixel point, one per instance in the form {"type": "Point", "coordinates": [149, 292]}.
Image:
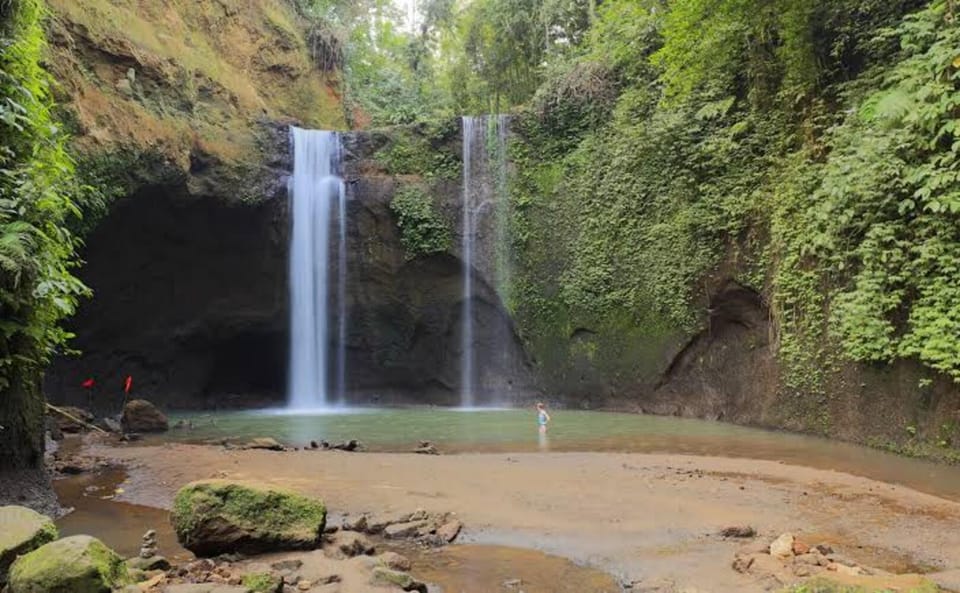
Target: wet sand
{"type": "Point", "coordinates": [640, 517]}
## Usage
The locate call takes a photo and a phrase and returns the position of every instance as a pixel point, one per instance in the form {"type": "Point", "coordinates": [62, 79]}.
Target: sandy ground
{"type": "Point", "coordinates": [641, 517]}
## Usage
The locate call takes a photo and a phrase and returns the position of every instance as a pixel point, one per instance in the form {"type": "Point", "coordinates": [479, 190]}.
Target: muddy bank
{"type": "Point", "coordinates": [640, 517]}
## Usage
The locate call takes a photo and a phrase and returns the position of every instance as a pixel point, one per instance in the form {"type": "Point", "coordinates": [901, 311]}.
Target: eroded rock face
{"type": "Point", "coordinates": [21, 530]}
{"type": "Point", "coordinates": [76, 564]}
{"type": "Point", "coordinates": [216, 517]}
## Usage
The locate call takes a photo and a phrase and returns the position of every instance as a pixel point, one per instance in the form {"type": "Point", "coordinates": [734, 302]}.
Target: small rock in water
{"type": "Point", "coordinates": [738, 531]}
{"type": "Point", "coordinates": [449, 531]}
{"type": "Point", "coordinates": [395, 561]}
{"type": "Point", "coordinates": [351, 544]}
{"type": "Point", "coordinates": [351, 445]}
{"type": "Point", "coordinates": [402, 530]}
{"type": "Point", "coordinates": [265, 443]}
{"type": "Point", "coordinates": [426, 448]}
{"type": "Point", "coordinates": [357, 523]}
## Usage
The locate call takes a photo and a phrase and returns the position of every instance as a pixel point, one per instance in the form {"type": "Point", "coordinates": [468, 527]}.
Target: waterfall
{"type": "Point", "coordinates": [342, 296]}
{"type": "Point", "coordinates": [315, 190]}
{"type": "Point", "coordinates": [484, 184]}
{"type": "Point", "coordinates": [467, 231]}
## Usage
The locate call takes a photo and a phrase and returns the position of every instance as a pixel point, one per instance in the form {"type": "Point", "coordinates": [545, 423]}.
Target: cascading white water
{"type": "Point", "coordinates": [315, 190]}
{"type": "Point", "coordinates": [342, 296]}
{"type": "Point", "coordinates": [467, 231]}
{"type": "Point", "coordinates": [485, 205]}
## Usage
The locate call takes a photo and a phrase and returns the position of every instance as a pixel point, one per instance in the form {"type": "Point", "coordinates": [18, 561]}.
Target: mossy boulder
{"type": "Point", "coordinates": [21, 530]}
{"type": "Point", "coordinates": [76, 564]}
{"type": "Point", "coordinates": [217, 516]}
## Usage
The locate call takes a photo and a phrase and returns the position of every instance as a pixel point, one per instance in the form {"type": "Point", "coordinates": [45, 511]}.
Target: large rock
{"type": "Point", "coordinates": [77, 564]}
{"type": "Point", "coordinates": [217, 516]}
{"type": "Point", "coordinates": [139, 415]}
{"type": "Point", "coordinates": [22, 530]}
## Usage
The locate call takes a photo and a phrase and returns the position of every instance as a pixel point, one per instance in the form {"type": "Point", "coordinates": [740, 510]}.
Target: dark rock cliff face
{"type": "Point", "coordinates": [191, 301]}
{"type": "Point", "coordinates": [405, 316]}
{"type": "Point", "coordinates": [729, 371]}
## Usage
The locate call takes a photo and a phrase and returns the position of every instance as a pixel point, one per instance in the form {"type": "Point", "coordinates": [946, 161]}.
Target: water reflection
{"type": "Point", "coordinates": [543, 440]}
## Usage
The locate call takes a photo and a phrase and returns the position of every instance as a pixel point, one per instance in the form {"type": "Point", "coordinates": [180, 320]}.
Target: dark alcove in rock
{"type": "Point", "coordinates": [728, 371]}
{"type": "Point", "coordinates": [189, 300]}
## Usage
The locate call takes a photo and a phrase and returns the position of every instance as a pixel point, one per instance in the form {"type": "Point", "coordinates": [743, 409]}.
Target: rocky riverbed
{"type": "Point", "coordinates": [654, 523]}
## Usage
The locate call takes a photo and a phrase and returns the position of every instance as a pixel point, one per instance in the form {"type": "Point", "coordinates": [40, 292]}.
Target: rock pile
{"type": "Point", "coordinates": [788, 559]}
{"type": "Point", "coordinates": [434, 529]}
{"type": "Point", "coordinates": [148, 549]}
{"type": "Point", "coordinates": [148, 559]}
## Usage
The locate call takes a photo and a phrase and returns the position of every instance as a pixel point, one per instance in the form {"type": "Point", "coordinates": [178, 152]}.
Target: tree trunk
{"type": "Point", "coordinates": [22, 423]}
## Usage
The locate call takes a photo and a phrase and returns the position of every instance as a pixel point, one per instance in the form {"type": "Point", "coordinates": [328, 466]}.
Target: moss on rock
{"type": "Point", "coordinates": [261, 582]}
{"type": "Point", "coordinates": [77, 564]}
{"type": "Point", "coordinates": [22, 530]}
{"type": "Point", "coordinates": [215, 516]}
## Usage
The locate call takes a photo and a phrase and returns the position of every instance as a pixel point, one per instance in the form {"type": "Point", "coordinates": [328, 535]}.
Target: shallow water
{"type": "Point", "coordinates": [457, 431]}
{"type": "Point", "coordinates": [120, 525]}
{"type": "Point", "coordinates": [486, 569]}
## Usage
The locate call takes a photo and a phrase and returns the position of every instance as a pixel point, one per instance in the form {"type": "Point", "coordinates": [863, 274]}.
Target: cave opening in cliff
{"type": "Point", "coordinates": [188, 297]}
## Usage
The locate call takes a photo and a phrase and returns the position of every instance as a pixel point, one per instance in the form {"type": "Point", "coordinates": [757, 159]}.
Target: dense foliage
{"type": "Point", "coordinates": [37, 188]}
{"type": "Point", "coordinates": [875, 225]}
{"type": "Point", "coordinates": [810, 146]}
{"type": "Point", "coordinates": [422, 230]}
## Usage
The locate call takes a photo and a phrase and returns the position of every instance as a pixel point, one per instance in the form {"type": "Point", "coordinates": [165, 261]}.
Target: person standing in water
{"type": "Point", "coordinates": [542, 417]}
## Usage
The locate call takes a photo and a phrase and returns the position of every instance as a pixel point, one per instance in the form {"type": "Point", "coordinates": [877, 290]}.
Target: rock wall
{"type": "Point", "coordinates": [406, 312]}
{"type": "Point", "coordinates": [191, 301]}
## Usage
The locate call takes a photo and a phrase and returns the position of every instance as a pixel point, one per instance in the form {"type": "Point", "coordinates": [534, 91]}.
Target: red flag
{"type": "Point", "coordinates": [88, 384]}
{"type": "Point", "coordinates": [127, 384]}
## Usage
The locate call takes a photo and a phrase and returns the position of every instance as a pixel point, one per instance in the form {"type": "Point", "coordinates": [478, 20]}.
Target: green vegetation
{"type": "Point", "coordinates": [261, 582]}
{"type": "Point", "coordinates": [813, 153]}
{"type": "Point", "coordinates": [38, 201]}
{"type": "Point", "coordinates": [422, 230]}
{"type": "Point", "coordinates": [37, 198]}
{"type": "Point", "coordinates": [423, 151]}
